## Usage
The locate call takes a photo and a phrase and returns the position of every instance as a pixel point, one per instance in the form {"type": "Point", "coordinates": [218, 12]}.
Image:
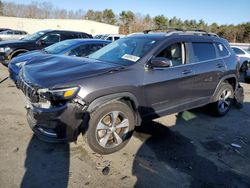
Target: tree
{"type": "Point", "coordinates": [90, 15]}
{"type": "Point", "coordinates": [109, 16]}
{"type": "Point", "coordinates": [99, 16]}
{"type": "Point", "coordinates": [127, 21]}
{"type": "Point", "coordinates": [127, 17]}
{"type": "Point", "coordinates": [130, 17]}
{"type": "Point", "coordinates": [1, 8]}
{"type": "Point", "coordinates": [201, 24]}
{"type": "Point", "coordinates": [173, 22]}
{"type": "Point", "coordinates": [213, 27]}
{"type": "Point", "coordinates": [160, 21]}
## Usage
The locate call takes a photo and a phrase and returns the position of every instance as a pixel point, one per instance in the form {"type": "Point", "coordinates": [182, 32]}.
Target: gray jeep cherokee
{"type": "Point", "coordinates": [142, 76]}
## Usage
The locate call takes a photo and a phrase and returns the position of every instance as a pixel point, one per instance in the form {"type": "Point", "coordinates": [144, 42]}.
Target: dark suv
{"type": "Point", "coordinates": [137, 77]}
{"type": "Point", "coordinates": [36, 41]}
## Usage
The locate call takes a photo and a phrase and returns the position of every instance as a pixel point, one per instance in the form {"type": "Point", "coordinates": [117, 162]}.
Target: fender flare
{"type": "Point", "coordinates": [222, 80]}
{"type": "Point", "coordinates": [114, 97]}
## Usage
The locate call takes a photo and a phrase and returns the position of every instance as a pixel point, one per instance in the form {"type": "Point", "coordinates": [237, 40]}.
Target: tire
{"type": "Point", "coordinates": [244, 67]}
{"type": "Point", "coordinates": [106, 135]}
{"type": "Point", "coordinates": [224, 97]}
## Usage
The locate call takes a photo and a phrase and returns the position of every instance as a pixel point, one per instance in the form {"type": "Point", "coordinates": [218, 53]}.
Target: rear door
{"type": "Point", "coordinates": [209, 67]}
{"type": "Point", "coordinates": [169, 89]}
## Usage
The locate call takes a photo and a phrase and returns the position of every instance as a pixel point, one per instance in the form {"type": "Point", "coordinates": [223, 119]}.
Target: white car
{"type": "Point", "coordinates": [12, 34]}
{"type": "Point", "coordinates": [111, 37]}
{"type": "Point", "coordinates": [243, 55]}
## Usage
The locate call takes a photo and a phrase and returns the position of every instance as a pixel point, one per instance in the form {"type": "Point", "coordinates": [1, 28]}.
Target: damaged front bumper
{"type": "Point", "coordinates": [56, 124]}
{"type": "Point", "coordinates": [53, 122]}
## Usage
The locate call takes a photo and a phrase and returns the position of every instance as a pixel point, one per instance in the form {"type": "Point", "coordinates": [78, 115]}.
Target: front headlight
{"type": "Point", "coordinates": [5, 49]}
{"type": "Point", "coordinates": [59, 94]}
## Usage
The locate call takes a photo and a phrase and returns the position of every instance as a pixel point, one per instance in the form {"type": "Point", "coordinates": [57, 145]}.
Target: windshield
{"type": "Point", "coordinates": [34, 36]}
{"type": "Point", "coordinates": [124, 51]}
{"type": "Point", "coordinates": [60, 47]}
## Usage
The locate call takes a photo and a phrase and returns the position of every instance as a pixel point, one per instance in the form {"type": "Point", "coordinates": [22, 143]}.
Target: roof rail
{"type": "Point", "coordinates": [176, 31]}
{"type": "Point", "coordinates": [163, 28]}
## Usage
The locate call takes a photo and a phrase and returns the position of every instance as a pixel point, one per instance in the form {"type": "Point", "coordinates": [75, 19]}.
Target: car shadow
{"type": "Point", "coordinates": [47, 165]}
{"type": "Point", "coordinates": [169, 159]}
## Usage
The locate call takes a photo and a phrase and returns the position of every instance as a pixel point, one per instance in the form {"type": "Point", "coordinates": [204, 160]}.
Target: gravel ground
{"type": "Point", "coordinates": [188, 149]}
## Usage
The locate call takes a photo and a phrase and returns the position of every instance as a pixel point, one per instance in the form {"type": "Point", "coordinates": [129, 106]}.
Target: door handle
{"type": "Point", "coordinates": [219, 65]}
{"type": "Point", "coordinates": [187, 72]}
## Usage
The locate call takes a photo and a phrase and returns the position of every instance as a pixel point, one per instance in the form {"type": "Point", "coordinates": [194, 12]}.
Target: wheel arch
{"type": "Point", "coordinates": [231, 79]}
{"type": "Point", "coordinates": [18, 51]}
{"type": "Point", "coordinates": [125, 97]}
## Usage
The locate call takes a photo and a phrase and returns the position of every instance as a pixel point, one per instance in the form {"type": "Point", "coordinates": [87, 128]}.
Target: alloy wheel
{"type": "Point", "coordinates": [225, 100]}
{"type": "Point", "coordinates": [111, 129]}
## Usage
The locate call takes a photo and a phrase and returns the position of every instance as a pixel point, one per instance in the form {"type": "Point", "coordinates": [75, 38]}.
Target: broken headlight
{"type": "Point", "coordinates": [58, 94]}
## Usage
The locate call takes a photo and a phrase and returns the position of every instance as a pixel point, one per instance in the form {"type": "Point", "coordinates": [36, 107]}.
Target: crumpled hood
{"type": "Point", "coordinates": [51, 70]}
{"type": "Point", "coordinates": [27, 56]}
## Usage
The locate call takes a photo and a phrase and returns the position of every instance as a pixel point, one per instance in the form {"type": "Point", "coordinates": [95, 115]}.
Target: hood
{"type": "Point", "coordinates": [52, 70]}
{"type": "Point", "coordinates": [13, 43]}
{"type": "Point", "coordinates": [28, 56]}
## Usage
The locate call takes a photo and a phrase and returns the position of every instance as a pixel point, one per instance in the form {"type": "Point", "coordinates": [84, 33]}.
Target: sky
{"type": "Point", "coordinates": [219, 11]}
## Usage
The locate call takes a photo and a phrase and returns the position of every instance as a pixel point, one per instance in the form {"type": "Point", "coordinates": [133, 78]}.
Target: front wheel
{"type": "Point", "coordinates": [224, 101]}
{"type": "Point", "coordinates": [110, 127]}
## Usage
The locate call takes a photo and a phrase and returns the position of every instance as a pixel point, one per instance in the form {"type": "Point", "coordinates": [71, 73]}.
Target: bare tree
{"type": "Point", "coordinates": [1, 8]}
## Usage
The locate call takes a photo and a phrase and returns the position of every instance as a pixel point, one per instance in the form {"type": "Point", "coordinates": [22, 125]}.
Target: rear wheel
{"type": "Point", "coordinates": [224, 101]}
{"type": "Point", "coordinates": [110, 127]}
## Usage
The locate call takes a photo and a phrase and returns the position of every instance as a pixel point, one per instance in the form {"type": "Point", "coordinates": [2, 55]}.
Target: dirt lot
{"type": "Point", "coordinates": [189, 149]}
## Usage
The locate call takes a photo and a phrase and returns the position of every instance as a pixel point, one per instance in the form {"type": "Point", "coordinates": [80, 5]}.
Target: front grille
{"type": "Point", "coordinates": [28, 90]}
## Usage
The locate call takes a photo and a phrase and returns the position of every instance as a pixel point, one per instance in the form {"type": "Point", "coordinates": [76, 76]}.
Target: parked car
{"type": "Point", "coordinates": [4, 29]}
{"type": "Point", "coordinates": [244, 57]}
{"type": "Point", "coordinates": [111, 37]}
{"type": "Point", "coordinates": [98, 36]}
{"type": "Point", "coordinates": [144, 76]}
{"type": "Point", "coordinates": [12, 35]}
{"type": "Point", "coordinates": [72, 47]}
{"type": "Point", "coordinates": [36, 41]}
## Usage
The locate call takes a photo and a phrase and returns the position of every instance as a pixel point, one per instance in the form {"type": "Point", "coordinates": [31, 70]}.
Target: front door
{"type": "Point", "coordinates": [169, 89]}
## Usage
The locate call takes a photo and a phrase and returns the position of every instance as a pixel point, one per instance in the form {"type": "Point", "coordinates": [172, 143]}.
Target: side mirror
{"type": "Point", "coordinates": [159, 62]}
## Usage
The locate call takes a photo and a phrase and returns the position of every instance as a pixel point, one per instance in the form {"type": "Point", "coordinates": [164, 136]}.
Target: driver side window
{"type": "Point", "coordinates": [51, 38]}
{"type": "Point", "coordinates": [174, 53]}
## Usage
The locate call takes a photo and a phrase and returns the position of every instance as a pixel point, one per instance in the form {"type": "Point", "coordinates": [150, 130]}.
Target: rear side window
{"type": "Point", "coordinates": [51, 38]}
{"type": "Point", "coordinates": [237, 51]}
{"type": "Point", "coordinates": [203, 51]}
{"type": "Point", "coordinates": [17, 33]}
{"type": "Point", "coordinates": [66, 36]}
{"type": "Point", "coordinates": [109, 38]}
{"type": "Point", "coordinates": [222, 50]}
